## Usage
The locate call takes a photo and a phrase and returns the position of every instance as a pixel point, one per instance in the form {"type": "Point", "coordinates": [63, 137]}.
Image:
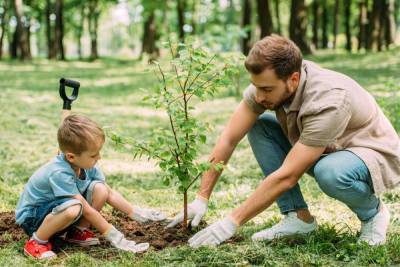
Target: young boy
{"type": "Point", "coordinates": [66, 195]}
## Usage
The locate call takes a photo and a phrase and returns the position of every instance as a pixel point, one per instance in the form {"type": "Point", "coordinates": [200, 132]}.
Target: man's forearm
{"type": "Point", "coordinates": [220, 154]}
{"type": "Point", "coordinates": [265, 194]}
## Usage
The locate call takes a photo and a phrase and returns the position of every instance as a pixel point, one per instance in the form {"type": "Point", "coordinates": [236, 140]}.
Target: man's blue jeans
{"type": "Point", "coordinates": [341, 175]}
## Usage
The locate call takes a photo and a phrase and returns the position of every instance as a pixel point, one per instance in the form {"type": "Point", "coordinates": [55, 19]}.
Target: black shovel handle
{"type": "Point", "coordinates": [69, 99]}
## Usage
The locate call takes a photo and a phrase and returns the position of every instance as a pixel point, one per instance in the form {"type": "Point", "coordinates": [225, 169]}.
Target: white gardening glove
{"type": "Point", "coordinates": [214, 234]}
{"type": "Point", "coordinates": [196, 210]}
{"type": "Point", "coordinates": [117, 240]}
{"type": "Point", "coordinates": [145, 215]}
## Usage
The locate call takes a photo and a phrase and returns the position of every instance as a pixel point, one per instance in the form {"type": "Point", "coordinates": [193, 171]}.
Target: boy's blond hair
{"type": "Point", "coordinates": [77, 133]}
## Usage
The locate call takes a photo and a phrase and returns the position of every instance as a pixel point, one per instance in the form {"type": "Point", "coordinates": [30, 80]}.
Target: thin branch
{"type": "Point", "coordinates": [177, 77]}
{"type": "Point", "coordinates": [170, 48]}
{"type": "Point", "coordinates": [174, 132]}
{"type": "Point", "coordinates": [155, 73]}
{"type": "Point", "coordinates": [198, 74]}
{"type": "Point", "coordinates": [204, 83]}
{"type": "Point", "coordinates": [189, 72]}
{"type": "Point", "coordinates": [169, 115]}
{"type": "Point", "coordinates": [148, 151]}
{"type": "Point", "coordinates": [197, 177]}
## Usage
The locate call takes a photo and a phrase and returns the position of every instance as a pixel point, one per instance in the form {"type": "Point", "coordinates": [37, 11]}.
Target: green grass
{"type": "Point", "coordinates": [30, 110]}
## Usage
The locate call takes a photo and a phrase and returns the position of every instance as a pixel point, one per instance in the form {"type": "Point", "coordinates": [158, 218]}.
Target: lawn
{"type": "Point", "coordinates": [111, 94]}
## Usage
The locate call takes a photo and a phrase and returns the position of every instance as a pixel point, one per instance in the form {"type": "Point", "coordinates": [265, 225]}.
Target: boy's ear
{"type": "Point", "coordinates": [70, 156]}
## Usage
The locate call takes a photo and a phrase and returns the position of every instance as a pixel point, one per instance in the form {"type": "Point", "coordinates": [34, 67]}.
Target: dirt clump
{"type": "Point", "coordinates": [154, 233]}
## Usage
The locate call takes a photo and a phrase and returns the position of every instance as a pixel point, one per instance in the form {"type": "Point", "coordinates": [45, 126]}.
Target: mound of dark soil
{"type": "Point", "coordinates": [154, 233]}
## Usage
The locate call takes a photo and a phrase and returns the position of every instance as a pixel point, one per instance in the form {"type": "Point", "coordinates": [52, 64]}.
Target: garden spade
{"type": "Point", "coordinates": [68, 99]}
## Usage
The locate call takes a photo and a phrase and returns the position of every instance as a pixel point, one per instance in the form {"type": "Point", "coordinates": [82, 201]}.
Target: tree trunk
{"type": "Point", "coordinates": [298, 25]}
{"type": "Point", "coordinates": [59, 30]}
{"type": "Point", "coordinates": [150, 36]}
{"type": "Point", "coordinates": [195, 17]}
{"type": "Point", "coordinates": [316, 14]}
{"type": "Point", "coordinates": [277, 14]}
{"type": "Point", "coordinates": [4, 24]}
{"type": "Point", "coordinates": [93, 20]}
{"type": "Point", "coordinates": [246, 24]}
{"type": "Point", "coordinates": [382, 19]}
{"type": "Point", "coordinates": [375, 25]}
{"type": "Point", "coordinates": [264, 17]}
{"type": "Point", "coordinates": [324, 25]}
{"type": "Point", "coordinates": [335, 23]}
{"type": "Point", "coordinates": [363, 22]}
{"type": "Point", "coordinates": [14, 41]}
{"type": "Point", "coordinates": [51, 44]}
{"type": "Point", "coordinates": [231, 13]}
{"type": "Point", "coordinates": [390, 23]}
{"type": "Point", "coordinates": [80, 30]}
{"type": "Point", "coordinates": [347, 16]}
{"type": "Point", "coordinates": [181, 6]}
{"type": "Point", "coordinates": [23, 35]}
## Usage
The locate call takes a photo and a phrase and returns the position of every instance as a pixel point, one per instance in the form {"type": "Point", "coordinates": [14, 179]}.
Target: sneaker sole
{"type": "Point", "coordinates": [83, 243]}
{"type": "Point", "coordinates": [26, 253]}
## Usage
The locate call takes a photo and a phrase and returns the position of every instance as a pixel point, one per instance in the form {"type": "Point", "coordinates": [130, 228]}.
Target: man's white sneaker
{"type": "Point", "coordinates": [289, 225]}
{"type": "Point", "coordinates": [373, 232]}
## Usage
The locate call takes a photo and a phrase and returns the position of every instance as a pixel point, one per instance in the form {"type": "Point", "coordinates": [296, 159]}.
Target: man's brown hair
{"type": "Point", "coordinates": [77, 133]}
{"type": "Point", "coordinates": [277, 53]}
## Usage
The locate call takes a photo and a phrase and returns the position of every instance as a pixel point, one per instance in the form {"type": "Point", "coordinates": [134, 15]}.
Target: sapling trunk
{"type": "Point", "coordinates": [192, 73]}
{"type": "Point", "coordinates": [185, 211]}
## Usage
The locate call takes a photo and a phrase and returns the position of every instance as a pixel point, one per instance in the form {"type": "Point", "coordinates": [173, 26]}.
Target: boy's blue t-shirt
{"type": "Point", "coordinates": [52, 181]}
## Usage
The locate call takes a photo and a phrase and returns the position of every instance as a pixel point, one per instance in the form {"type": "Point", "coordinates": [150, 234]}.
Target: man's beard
{"type": "Point", "coordinates": [286, 98]}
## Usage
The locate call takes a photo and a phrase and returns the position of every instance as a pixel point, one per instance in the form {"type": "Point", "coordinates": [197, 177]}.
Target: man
{"type": "Point", "coordinates": [326, 124]}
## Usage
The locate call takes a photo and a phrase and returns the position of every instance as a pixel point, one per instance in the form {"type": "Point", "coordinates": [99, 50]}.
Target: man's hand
{"type": "Point", "coordinates": [117, 240]}
{"type": "Point", "coordinates": [145, 215]}
{"type": "Point", "coordinates": [196, 210]}
{"type": "Point", "coordinates": [214, 234]}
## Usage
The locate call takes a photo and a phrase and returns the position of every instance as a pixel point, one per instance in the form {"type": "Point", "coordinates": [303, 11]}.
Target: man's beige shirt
{"type": "Point", "coordinates": [332, 110]}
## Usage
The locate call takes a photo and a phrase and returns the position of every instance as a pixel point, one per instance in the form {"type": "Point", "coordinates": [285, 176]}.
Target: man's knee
{"type": "Point", "coordinates": [330, 178]}
{"type": "Point", "coordinates": [264, 122]}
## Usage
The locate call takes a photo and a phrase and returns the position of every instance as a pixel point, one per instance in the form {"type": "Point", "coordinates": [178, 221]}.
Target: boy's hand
{"type": "Point", "coordinates": [118, 240]}
{"type": "Point", "coordinates": [145, 215]}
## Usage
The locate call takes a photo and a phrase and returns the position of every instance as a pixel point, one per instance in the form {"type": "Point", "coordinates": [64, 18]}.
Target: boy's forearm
{"type": "Point", "coordinates": [117, 201]}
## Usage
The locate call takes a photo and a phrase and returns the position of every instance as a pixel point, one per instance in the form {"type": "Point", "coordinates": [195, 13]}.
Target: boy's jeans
{"type": "Point", "coordinates": [341, 175]}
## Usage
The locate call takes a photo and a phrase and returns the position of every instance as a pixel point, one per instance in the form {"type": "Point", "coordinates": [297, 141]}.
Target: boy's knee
{"type": "Point", "coordinates": [100, 191]}
{"type": "Point", "coordinates": [73, 212]}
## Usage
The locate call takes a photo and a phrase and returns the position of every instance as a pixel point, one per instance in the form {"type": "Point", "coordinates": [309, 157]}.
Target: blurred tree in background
{"type": "Point", "coordinates": [68, 29]}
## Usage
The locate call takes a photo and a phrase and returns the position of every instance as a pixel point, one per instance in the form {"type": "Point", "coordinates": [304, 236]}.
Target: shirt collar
{"type": "Point", "coordinates": [295, 104]}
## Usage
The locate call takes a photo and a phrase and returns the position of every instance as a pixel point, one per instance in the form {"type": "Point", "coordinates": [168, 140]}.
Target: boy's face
{"type": "Point", "coordinates": [88, 158]}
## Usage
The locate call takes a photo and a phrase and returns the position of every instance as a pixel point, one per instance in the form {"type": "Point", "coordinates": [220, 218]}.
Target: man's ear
{"type": "Point", "coordinates": [70, 157]}
{"type": "Point", "coordinates": [294, 81]}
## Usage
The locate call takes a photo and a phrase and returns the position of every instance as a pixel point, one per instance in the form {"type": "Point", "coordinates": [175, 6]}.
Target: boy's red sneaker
{"type": "Point", "coordinates": [83, 237]}
{"type": "Point", "coordinates": [38, 251]}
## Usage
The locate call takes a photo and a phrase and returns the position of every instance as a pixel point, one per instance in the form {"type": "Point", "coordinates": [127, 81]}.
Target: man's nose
{"type": "Point", "coordinates": [259, 98]}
